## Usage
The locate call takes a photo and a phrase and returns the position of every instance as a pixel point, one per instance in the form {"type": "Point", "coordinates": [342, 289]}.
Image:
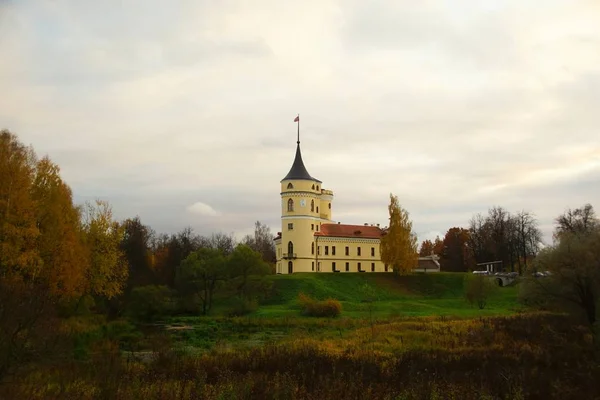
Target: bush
{"type": "Point", "coordinates": [148, 303]}
{"type": "Point", "coordinates": [317, 308]}
{"type": "Point", "coordinates": [243, 306]}
{"type": "Point", "coordinates": [478, 289]}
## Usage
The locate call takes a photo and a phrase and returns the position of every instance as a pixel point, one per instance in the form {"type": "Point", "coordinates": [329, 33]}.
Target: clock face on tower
{"type": "Point", "coordinates": [302, 203]}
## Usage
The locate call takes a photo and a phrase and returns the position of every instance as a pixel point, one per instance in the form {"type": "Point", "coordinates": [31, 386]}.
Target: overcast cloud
{"type": "Point", "coordinates": [181, 112]}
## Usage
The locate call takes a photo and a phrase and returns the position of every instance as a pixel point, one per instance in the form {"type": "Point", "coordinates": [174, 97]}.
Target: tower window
{"type": "Point", "coordinates": [290, 249]}
{"type": "Point", "coordinates": [358, 251]}
{"type": "Point", "coordinates": [290, 205]}
{"type": "Point", "coordinates": [313, 186]}
{"type": "Point", "coordinates": [329, 206]}
{"type": "Point", "coordinates": [312, 204]}
{"type": "Point", "coordinates": [290, 186]}
{"type": "Point", "coordinates": [290, 227]}
{"type": "Point", "coordinates": [317, 187]}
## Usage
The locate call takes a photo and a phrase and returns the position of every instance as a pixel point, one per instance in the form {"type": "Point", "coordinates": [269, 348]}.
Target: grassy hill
{"type": "Point", "coordinates": [416, 294]}
{"type": "Point", "coordinates": [279, 317]}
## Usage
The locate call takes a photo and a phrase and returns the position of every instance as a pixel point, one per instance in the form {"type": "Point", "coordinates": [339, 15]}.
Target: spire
{"type": "Point", "coordinates": [298, 170]}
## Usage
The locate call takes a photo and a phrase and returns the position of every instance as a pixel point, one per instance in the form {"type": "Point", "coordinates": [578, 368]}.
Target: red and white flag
{"type": "Point", "coordinates": [297, 119]}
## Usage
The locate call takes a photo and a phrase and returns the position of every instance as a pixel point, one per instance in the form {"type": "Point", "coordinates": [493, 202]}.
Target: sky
{"type": "Point", "coordinates": [182, 112]}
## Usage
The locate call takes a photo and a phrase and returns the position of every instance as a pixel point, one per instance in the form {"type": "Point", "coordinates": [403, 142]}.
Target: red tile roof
{"type": "Point", "coordinates": [355, 231]}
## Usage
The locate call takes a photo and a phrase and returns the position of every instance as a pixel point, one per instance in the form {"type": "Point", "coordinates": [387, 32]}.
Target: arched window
{"type": "Point", "coordinates": [290, 249]}
{"type": "Point", "coordinates": [317, 187]}
{"type": "Point", "coordinates": [330, 206]}
{"type": "Point", "coordinates": [290, 205]}
{"type": "Point", "coordinates": [312, 248]}
{"type": "Point", "coordinates": [290, 186]}
{"type": "Point", "coordinates": [312, 206]}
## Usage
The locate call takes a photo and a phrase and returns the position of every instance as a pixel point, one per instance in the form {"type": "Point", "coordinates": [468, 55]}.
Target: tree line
{"type": "Point", "coordinates": [57, 258]}
{"type": "Point", "coordinates": [514, 239]}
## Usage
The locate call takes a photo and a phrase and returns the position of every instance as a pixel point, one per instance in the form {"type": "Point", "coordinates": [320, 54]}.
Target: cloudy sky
{"type": "Point", "coordinates": [182, 112]}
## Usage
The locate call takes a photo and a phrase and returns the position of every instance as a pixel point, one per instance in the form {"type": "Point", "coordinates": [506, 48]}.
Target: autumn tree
{"type": "Point", "coordinates": [244, 263]}
{"type": "Point", "coordinates": [136, 243]}
{"type": "Point", "coordinates": [170, 251]}
{"type": "Point", "coordinates": [513, 239]}
{"type": "Point", "coordinates": [199, 275]}
{"type": "Point", "coordinates": [399, 244]}
{"type": "Point", "coordinates": [478, 290]}
{"type": "Point", "coordinates": [18, 225]}
{"type": "Point", "coordinates": [262, 242]}
{"type": "Point", "coordinates": [41, 256]}
{"type": "Point", "coordinates": [107, 274]}
{"type": "Point", "coordinates": [480, 237]}
{"type": "Point", "coordinates": [457, 255]}
{"type": "Point", "coordinates": [59, 242]}
{"type": "Point", "coordinates": [528, 238]}
{"type": "Point", "coordinates": [426, 248]}
{"type": "Point", "coordinates": [160, 261]}
{"type": "Point", "coordinates": [438, 246]}
{"type": "Point", "coordinates": [24, 300]}
{"type": "Point", "coordinates": [574, 263]}
{"type": "Point", "coordinates": [221, 241]}
{"type": "Point", "coordinates": [578, 221]}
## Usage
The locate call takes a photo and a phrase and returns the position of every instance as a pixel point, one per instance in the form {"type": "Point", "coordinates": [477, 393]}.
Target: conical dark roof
{"type": "Point", "coordinates": [298, 170]}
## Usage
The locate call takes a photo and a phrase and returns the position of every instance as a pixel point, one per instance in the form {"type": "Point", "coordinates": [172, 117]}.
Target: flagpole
{"type": "Point", "coordinates": [298, 128]}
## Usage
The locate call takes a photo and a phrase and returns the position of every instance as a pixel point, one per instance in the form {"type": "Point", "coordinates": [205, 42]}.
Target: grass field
{"type": "Point", "coordinates": [423, 342]}
{"type": "Point", "coordinates": [438, 296]}
{"type": "Point", "coordinates": [411, 295]}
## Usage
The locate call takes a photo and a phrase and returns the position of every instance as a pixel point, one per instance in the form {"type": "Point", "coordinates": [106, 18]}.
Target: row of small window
{"type": "Point", "coordinates": [312, 227]}
{"type": "Point", "coordinates": [290, 205]}
{"type": "Point", "coordinates": [290, 186]}
{"type": "Point", "coordinates": [358, 251]}
{"type": "Point", "coordinates": [358, 267]}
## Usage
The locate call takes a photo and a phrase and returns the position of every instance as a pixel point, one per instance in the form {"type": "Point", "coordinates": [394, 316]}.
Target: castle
{"type": "Point", "coordinates": [310, 241]}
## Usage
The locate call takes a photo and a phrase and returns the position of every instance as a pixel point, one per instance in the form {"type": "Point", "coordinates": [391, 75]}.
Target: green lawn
{"type": "Point", "coordinates": [279, 318]}
{"type": "Point", "coordinates": [417, 294]}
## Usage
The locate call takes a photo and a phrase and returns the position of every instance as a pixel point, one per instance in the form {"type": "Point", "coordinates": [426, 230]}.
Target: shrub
{"type": "Point", "coordinates": [243, 306]}
{"type": "Point", "coordinates": [478, 290]}
{"type": "Point", "coordinates": [148, 303]}
{"type": "Point", "coordinates": [319, 308]}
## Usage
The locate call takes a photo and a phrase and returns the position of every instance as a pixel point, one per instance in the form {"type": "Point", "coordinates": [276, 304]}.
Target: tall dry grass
{"type": "Point", "coordinates": [538, 356]}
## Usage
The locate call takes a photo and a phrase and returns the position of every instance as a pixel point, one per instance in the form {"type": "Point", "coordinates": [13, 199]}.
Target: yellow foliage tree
{"type": "Point", "coordinates": [107, 272]}
{"type": "Point", "coordinates": [399, 244]}
{"type": "Point", "coordinates": [18, 228]}
{"type": "Point", "coordinates": [59, 243]}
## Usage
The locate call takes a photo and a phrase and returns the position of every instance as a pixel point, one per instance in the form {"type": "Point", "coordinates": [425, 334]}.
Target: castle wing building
{"type": "Point", "coordinates": [310, 241]}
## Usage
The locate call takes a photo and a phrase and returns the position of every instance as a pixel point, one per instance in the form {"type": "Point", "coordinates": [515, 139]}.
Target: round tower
{"type": "Point", "coordinates": [300, 218]}
{"type": "Point", "coordinates": [305, 205]}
